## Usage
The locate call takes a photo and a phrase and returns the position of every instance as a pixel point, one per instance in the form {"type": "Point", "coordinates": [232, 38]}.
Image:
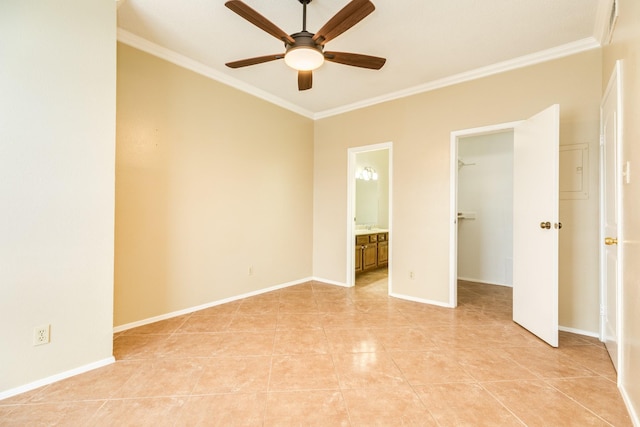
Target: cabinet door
{"type": "Point", "coordinates": [362, 240]}
{"type": "Point", "coordinates": [383, 253]}
{"type": "Point", "coordinates": [370, 256]}
{"type": "Point", "coordinates": [358, 260]}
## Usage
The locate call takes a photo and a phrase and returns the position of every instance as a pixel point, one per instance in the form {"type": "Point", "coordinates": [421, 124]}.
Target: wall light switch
{"type": "Point", "coordinates": [626, 172]}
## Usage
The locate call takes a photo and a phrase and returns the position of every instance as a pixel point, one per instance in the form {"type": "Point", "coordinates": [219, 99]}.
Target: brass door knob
{"type": "Point", "coordinates": [610, 241]}
{"type": "Point", "coordinates": [545, 225]}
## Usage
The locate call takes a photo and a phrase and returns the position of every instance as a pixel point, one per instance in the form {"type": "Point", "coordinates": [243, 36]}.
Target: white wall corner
{"type": "Point", "coordinates": [604, 22]}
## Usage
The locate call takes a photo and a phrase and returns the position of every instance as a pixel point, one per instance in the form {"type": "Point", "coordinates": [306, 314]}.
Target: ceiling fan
{"type": "Point", "coordinates": [304, 51]}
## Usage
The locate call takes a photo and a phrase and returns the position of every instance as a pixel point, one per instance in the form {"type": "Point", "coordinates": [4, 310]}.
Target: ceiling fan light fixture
{"type": "Point", "coordinates": [304, 58]}
{"type": "Point", "coordinates": [304, 51]}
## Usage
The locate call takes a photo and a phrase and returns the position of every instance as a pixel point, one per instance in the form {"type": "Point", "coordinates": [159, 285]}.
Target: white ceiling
{"type": "Point", "coordinates": [427, 43]}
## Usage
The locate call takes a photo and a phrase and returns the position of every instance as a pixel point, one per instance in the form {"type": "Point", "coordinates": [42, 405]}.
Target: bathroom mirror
{"type": "Point", "coordinates": [366, 202]}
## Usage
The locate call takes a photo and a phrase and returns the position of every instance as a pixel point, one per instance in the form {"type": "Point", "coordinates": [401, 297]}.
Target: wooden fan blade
{"type": "Point", "coordinates": [253, 61]}
{"type": "Point", "coordinates": [355, 60]}
{"type": "Point", "coordinates": [305, 80]}
{"type": "Point", "coordinates": [258, 20]}
{"type": "Point", "coordinates": [349, 16]}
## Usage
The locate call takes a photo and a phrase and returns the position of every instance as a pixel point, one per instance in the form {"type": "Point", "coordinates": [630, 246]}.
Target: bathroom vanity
{"type": "Point", "coordinates": [371, 249]}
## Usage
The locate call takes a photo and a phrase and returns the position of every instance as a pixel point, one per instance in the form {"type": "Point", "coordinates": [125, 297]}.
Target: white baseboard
{"type": "Point", "coordinates": [421, 300]}
{"type": "Point", "coordinates": [633, 414]}
{"type": "Point", "coordinates": [484, 282]}
{"type": "Point", "coordinates": [182, 312]}
{"type": "Point", "coordinates": [579, 332]}
{"type": "Point", "coordinates": [330, 282]}
{"type": "Point", "coordinates": [57, 377]}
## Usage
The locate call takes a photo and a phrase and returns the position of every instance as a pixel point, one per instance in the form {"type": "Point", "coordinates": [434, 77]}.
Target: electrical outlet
{"type": "Point", "coordinates": [251, 271]}
{"type": "Point", "coordinates": [41, 334]}
{"type": "Point", "coordinates": [411, 275]}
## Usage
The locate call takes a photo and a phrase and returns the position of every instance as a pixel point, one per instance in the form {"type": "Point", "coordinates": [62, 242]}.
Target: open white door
{"type": "Point", "coordinates": [611, 177]}
{"type": "Point", "coordinates": [536, 224]}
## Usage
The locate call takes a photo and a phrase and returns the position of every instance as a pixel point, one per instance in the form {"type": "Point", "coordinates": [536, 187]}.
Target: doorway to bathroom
{"type": "Point", "coordinates": [369, 217]}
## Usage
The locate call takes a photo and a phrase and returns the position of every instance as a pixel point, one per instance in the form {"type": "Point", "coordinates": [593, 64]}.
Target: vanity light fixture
{"type": "Point", "coordinates": [367, 174]}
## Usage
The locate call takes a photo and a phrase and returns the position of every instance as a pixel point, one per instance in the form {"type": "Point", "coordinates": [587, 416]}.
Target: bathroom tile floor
{"type": "Point", "coordinates": [321, 355]}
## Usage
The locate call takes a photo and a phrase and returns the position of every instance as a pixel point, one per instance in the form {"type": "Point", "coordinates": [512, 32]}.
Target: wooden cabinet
{"type": "Point", "coordinates": [360, 242]}
{"type": "Point", "coordinates": [383, 253]}
{"type": "Point", "coordinates": [371, 251]}
{"type": "Point", "coordinates": [370, 256]}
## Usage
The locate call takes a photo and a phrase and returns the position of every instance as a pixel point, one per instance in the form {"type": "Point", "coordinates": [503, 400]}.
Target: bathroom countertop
{"type": "Point", "coordinates": [372, 231]}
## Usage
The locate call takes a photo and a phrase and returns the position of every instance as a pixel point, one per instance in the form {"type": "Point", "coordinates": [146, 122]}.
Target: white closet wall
{"type": "Point", "coordinates": [485, 200]}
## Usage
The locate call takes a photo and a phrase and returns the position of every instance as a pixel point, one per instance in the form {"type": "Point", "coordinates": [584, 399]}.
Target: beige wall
{"type": "Point", "coordinates": [626, 46]}
{"type": "Point", "coordinates": [57, 157]}
{"type": "Point", "coordinates": [210, 181]}
{"type": "Point", "coordinates": [419, 127]}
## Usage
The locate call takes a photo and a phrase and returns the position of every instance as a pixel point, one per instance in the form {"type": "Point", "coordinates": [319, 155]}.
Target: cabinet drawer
{"type": "Point", "coordinates": [373, 238]}
{"type": "Point", "coordinates": [382, 237]}
{"type": "Point", "coordinates": [362, 240]}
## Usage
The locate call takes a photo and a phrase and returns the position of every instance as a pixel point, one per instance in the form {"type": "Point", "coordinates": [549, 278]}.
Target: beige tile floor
{"type": "Point", "coordinates": [321, 355]}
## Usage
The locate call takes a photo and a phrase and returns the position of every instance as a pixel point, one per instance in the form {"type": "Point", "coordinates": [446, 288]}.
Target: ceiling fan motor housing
{"type": "Point", "coordinates": [303, 39]}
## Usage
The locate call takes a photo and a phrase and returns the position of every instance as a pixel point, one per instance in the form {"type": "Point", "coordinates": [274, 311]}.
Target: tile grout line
{"type": "Point", "coordinates": [577, 402]}
{"type": "Point", "coordinates": [497, 399]}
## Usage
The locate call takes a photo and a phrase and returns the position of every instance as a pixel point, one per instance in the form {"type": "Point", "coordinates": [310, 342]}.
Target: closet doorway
{"type": "Point", "coordinates": [535, 221]}
{"type": "Point", "coordinates": [485, 222]}
{"type": "Point", "coordinates": [485, 208]}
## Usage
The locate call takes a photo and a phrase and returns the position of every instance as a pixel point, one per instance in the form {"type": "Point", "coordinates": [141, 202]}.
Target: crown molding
{"type": "Point", "coordinates": [500, 67]}
{"type": "Point", "coordinates": [151, 48]}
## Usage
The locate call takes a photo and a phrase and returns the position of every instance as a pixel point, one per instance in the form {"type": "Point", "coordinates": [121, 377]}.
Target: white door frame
{"type": "Point", "coordinates": [351, 207]}
{"type": "Point", "coordinates": [614, 84]}
{"type": "Point", "coordinates": [453, 201]}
